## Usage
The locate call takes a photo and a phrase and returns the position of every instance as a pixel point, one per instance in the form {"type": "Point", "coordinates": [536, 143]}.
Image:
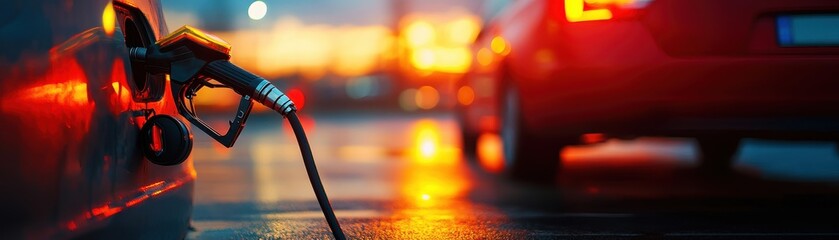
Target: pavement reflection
{"type": "Point", "coordinates": [410, 169]}
{"type": "Point", "coordinates": [401, 177]}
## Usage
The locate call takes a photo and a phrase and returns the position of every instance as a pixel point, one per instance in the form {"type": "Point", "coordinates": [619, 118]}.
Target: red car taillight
{"type": "Point", "coordinates": [593, 10]}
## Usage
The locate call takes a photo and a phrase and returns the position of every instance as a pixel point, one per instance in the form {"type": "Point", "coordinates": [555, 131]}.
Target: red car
{"type": "Point", "coordinates": [551, 71]}
{"type": "Point", "coordinates": [71, 110]}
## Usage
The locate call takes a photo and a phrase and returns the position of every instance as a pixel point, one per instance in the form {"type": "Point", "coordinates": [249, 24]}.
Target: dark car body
{"type": "Point", "coordinates": [714, 70]}
{"type": "Point", "coordinates": [70, 115]}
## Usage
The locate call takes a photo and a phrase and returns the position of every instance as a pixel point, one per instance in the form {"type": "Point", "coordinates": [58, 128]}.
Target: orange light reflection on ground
{"type": "Point", "coordinates": [427, 147]}
{"type": "Point", "coordinates": [429, 152]}
{"type": "Point", "coordinates": [433, 188]}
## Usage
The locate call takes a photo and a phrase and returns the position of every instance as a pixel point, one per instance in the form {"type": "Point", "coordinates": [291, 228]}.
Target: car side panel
{"type": "Point", "coordinates": [70, 126]}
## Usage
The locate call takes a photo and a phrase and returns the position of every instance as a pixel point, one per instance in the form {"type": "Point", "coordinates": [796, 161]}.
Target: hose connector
{"type": "Point", "coordinates": [267, 94]}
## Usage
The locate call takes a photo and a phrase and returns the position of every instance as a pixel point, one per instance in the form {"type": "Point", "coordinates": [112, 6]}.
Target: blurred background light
{"type": "Point", "coordinates": [490, 155]}
{"type": "Point", "coordinates": [484, 57]}
{"type": "Point", "coordinates": [427, 97]}
{"type": "Point", "coordinates": [419, 34]}
{"type": "Point", "coordinates": [407, 99]}
{"type": "Point", "coordinates": [362, 87]}
{"type": "Point", "coordinates": [399, 55]}
{"type": "Point", "coordinates": [465, 95]}
{"type": "Point", "coordinates": [257, 10]}
{"type": "Point", "coordinates": [297, 96]}
{"type": "Point", "coordinates": [499, 45]}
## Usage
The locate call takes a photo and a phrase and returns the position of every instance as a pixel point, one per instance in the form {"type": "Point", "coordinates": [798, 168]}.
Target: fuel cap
{"type": "Point", "coordinates": [165, 140]}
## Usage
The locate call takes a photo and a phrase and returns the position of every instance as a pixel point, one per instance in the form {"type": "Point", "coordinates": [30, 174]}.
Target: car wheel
{"type": "Point", "coordinates": [527, 157]}
{"type": "Point", "coordinates": [717, 154]}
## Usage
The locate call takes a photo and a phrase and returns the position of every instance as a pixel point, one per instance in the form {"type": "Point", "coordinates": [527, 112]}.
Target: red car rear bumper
{"type": "Point", "coordinates": [760, 96]}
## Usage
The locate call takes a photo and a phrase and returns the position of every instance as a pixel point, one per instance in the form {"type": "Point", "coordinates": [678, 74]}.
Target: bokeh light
{"type": "Point", "coordinates": [297, 96]}
{"type": "Point", "coordinates": [490, 154]}
{"type": "Point", "coordinates": [463, 30]}
{"type": "Point", "coordinates": [465, 95]}
{"type": "Point", "coordinates": [439, 42]}
{"type": "Point", "coordinates": [428, 145]}
{"type": "Point", "coordinates": [484, 57]}
{"type": "Point", "coordinates": [361, 87]}
{"type": "Point", "coordinates": [407, 99]}
{"type": "Point", "coordinates": [420, 34]}
{"type": "Point", "coordinates": [427, 97]}
{"type": "Point", "coordinates": [290, 47]}
{"type": "Point", "coordinates": [426, 141]}
{"type": "Point", "coordinates": [499, 45]}
{"type": "Point", "coordinates": [257, 10]}
{"type": "Point", "coordinates": [423, 59]}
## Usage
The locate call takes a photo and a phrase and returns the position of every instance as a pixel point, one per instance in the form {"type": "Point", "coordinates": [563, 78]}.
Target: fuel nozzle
{"type": "Point", "coordinates": [191, 57]}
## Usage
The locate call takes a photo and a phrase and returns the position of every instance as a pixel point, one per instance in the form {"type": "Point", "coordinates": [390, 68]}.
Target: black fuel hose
{"type": "Point", "coordinates": [314, 177]}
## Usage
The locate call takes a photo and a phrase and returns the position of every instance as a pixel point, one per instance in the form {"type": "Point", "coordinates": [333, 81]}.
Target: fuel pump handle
{"type": "Point", "coordinates": [190, 57]}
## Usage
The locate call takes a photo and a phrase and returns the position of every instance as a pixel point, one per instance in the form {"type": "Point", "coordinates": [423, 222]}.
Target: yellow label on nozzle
{"type": "Point", "coordinates": [196, 35]}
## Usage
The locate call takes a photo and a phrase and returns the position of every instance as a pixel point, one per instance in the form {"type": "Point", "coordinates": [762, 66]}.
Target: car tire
{"type": "Point", "coordinates": [717, 153]}
{"type": "Point", "coordinates": [527, 157]}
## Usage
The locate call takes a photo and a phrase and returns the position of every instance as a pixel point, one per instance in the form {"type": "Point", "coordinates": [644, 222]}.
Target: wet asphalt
{"type": "Point", "coordinates": [398, 176]}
